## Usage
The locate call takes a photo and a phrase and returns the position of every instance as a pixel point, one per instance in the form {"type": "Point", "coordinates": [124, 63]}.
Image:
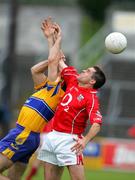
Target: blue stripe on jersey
{"type": "Point", "coordinates": [48, 87]}
{"type": "Point", "coordinates": [56, 89]}
{"type": "Point", "coordinates": [41, 107]}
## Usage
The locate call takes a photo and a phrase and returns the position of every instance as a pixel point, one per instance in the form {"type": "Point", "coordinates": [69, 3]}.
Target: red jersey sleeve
{"type": "Point", "coordinates": [69, 74]}
{"type": "Point", "coordinates": [93, 111]}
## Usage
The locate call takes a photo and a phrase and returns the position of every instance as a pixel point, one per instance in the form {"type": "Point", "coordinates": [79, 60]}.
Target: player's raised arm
{"type": "Point", "coordinates": [48, 29]}
{"type": "Point", "coordinates": [54, 56]}
{"type": "Point", "coordinates": [39, 69]}
{"type": "Point", "coordinates": [62, 63]}
{"type": "Point", "coordinates": [51, 31]}
{"type": "Point", "coordinates": [37, 72]}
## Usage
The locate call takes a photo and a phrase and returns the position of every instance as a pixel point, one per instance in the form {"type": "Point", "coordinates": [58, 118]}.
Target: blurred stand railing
{"type": "Point", "coordinates": [92, 51]}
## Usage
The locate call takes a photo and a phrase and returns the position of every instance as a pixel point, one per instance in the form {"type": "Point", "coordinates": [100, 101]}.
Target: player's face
{"type": "Point", "coordinates": [86, 75]}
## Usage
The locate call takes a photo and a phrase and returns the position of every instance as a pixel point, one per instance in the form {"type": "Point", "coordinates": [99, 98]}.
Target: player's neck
{"type": "Point", "coordinates": [85, 85]}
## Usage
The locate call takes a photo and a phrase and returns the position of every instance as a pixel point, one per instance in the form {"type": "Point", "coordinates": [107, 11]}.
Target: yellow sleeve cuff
{"type": "Point", "coordinates": [40, 85]}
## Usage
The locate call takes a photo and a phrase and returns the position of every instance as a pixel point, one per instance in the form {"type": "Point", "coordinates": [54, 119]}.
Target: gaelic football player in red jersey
{"type": "Point", "coordinates": [65, 144]}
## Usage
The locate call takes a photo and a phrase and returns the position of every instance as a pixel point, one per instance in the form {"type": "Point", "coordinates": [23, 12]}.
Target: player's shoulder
{"type": "Point", "coordinates": [91, 95]}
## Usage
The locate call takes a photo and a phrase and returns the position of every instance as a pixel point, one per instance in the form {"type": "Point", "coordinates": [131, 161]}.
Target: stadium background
{"type": "Point", "coordinates": [85, 23]}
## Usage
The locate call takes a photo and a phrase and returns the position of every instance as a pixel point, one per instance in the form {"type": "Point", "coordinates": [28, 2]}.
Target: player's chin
{"type": "Point", "coordinates": [79, 79]}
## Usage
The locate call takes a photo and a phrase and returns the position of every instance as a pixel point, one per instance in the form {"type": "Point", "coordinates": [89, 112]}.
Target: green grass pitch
{"type": "Point", "coordinates": [93, 175]}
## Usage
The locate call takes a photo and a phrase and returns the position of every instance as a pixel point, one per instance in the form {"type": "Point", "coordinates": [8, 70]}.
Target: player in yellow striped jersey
{"type": "Point", "coordinates": [21, 142]}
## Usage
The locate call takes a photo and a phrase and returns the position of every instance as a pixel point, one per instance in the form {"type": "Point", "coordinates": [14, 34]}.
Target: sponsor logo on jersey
{"type": "Point", "coordinates": [80, 97]}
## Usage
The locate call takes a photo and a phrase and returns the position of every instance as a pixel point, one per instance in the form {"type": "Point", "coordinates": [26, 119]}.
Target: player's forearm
{"type": "Point", "coordinates": [62, 65]}
{"type": "Point", "coordinates": [82, 142]}
{"type": "Point", "coordinates": [93, 131]}
{"type": "Point", "coordinates": [40, 67]}
{"type": "Point", "coordinates": [54, 51]}
{"type": "Point", "coordinates": [50, 42]}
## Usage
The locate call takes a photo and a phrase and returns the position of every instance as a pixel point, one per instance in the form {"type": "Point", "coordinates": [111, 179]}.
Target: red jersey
{"type": "Point", "coordinates": [77, 106]}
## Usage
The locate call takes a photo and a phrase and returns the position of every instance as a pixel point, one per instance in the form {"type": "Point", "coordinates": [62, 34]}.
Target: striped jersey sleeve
{"type": "Point", "coordinates": [93, 111]}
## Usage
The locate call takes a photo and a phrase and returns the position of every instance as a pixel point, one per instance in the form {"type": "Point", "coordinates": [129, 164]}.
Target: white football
{"type": "Point", "coordinates": [115, 42]}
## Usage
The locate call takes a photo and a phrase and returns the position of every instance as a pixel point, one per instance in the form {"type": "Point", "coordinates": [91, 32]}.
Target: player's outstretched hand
{"type": "Point", "coordinates": [57, 32]}
{"type": "Point", "coordinates": [48, 27]}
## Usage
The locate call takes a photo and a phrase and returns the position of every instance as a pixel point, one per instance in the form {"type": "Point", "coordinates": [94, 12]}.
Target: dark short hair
{"type": "Point", "coordinates": [99, 76]}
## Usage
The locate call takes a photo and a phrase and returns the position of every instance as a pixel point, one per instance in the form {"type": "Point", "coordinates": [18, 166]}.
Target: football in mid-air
{"type": "Point", "coordinates": [115, 42]}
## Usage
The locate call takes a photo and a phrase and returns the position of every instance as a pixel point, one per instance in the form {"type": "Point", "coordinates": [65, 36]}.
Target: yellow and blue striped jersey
{"type": "Point", "coordinates": [40, 107]}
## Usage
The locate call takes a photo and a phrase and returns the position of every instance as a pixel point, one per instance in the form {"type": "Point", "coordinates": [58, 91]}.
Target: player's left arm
{"type": "Point", "coordinates": [62, 63]}
{"type": "Point", "coordinates": [82, 142]}
{"type": "Point", "coordinates": [39, 69]}
{"type": "Point", "coordinates": [93, 131]}
{"type": "Point", "coordinates": [48, 28]}
{"type": "Point", "coordinates": [54, 56]}
{"type": "Point", "coordinates": [95, 118]}
{"type": "Point", "coordinates": [96, 121]}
